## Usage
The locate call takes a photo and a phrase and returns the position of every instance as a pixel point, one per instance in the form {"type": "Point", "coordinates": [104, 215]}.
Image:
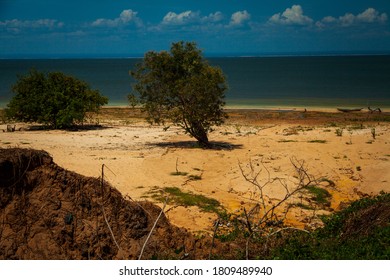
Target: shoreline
{"type": "Point", "coordinates": [296, 104]}
{"type": "Point", "coordinates": [272, 108]}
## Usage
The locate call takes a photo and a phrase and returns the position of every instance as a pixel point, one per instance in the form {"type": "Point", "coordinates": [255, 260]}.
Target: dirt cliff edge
{"type": "Point", "coordinates": [47, 212]}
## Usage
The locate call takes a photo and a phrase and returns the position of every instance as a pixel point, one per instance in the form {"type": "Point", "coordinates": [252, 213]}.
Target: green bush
{"type": "Point", "coordinates": [361, 231]}
{"type": "Point", "coordinates": [54, 99]}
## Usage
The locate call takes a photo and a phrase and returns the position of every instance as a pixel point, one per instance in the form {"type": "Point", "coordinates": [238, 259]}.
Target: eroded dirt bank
{"type": "Point", "coordinates": [47, 212]}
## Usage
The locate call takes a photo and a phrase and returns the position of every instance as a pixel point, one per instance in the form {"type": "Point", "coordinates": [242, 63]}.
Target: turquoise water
{"type": "Point", "coordinates": [326, 81]}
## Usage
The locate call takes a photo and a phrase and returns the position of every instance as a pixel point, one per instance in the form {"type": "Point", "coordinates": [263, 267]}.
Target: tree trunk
{"type": "Point", "coordinates": [200, 134]}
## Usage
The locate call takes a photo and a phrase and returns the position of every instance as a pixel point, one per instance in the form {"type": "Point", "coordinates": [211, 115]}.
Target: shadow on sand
{"type": "Point", "coordinates": [214, 145]}
{"type": "Point", "coordinates": [84, 127]}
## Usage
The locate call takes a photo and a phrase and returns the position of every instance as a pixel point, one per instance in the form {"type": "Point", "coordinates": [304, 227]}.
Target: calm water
{"type": "Point", "coordinates": [353, 81]}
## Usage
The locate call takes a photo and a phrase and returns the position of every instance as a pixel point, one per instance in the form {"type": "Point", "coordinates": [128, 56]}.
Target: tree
{"type": "Point", "coordinates": [180, 86]}
{"type": "Point", "coordinates": [53, 99]}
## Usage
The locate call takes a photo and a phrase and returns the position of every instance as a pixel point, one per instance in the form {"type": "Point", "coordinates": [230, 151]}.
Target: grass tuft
{"type": "Point", "coordinates": [317, 141]}
{"type": "Point", "coordinates": [177, 196]}
{"type": "Point", "coordinates": [319, 195]}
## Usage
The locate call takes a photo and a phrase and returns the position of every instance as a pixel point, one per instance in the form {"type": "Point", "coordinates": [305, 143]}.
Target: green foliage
{"type": "Point", "coordinates": [320, 195]}
{"type": "Point", "coordinates": [3, 117]}
{"type": "Point", "coordinates": [132, 100]}
{"type": "Point", "coordinates": [352, 233]}
{"type": "Point", "coordinates": [54, 99]}
{"type": "Point", "coordinates": [189, 199]}
{"type": "Point", "coordinates": [339, 132]}
{"type": "Point", "coordinates": [359, 232]}
{"type": "Point", "coordinates": [180, 86]}
{"type": "Point", "coordinates": [373, 133]}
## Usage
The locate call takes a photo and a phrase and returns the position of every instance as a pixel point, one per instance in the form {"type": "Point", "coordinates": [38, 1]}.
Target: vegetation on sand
{"type": "Point", "coordinates": [179, 197]}
{"type": "Point", "coordinates": [361, 231]}
{"type": "Point", "coordinates": [53, 99]}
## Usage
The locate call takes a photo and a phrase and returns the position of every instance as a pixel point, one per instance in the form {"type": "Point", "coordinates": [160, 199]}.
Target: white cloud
{"type": "Point", "coordinates": [347, 19]}
{"type": "Point", "coordinates": [186, 17]}
{"type": "Point", "coordinates": [17, 25]}
{"type": "Point", "coordinates": [126, 17]}
{"type": "Point", "coordinates": [370, 15]}
{"type": "Point", "coordinates": [239, 17]}
{"type": "Point", "coordinates": [190, 19]}
{"type": "Point", "coordinates": [213, 17]}
{"type": "Point", "coordinates": [291, 16]}
{"type": "Point", "coordinates": [329, 19]}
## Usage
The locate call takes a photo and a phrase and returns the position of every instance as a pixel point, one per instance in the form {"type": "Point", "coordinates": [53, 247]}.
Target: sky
{"type": "Point", "coordinates": [125, 28]}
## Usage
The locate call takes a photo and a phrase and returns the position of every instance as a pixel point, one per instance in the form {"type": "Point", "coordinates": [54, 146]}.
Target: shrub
{"type": "Point", "coordinates": [361, 231]}
{"type": "Point", "coordinates": [53, 99]}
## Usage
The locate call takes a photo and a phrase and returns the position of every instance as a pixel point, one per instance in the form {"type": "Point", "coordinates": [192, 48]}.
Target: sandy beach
{"type": "Point", "coordinates": [349, 151]}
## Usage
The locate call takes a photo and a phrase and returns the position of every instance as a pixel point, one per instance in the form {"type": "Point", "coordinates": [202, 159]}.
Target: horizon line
{"type": "Point", "coordinates": [206, 54]}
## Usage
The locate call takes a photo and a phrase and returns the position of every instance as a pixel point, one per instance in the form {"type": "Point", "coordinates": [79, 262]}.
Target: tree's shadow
{"type": "Point", "coordinates": [214, 145]}
{"type": "Point", "coordinates": [71, 128]}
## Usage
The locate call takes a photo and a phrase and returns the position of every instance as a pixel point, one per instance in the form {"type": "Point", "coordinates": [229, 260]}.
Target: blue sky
{"type": "Point", "coordinates": [111, 28]}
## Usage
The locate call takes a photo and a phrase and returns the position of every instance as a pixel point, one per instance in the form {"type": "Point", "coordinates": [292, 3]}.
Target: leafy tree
{"type": "Point", "coordinates": [180, 86]}
{"type": "Point", "coordinates": [53, 99]}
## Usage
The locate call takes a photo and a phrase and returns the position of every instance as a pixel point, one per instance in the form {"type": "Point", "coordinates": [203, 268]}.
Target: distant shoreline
{"type": "Point", "coordinates": [207, 55]}
{"type": "Point", "coordinates": [275, 108]}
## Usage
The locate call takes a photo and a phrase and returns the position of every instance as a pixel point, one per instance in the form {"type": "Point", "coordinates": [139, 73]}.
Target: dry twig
{"type": "Point", "coordinates": [151, 231]}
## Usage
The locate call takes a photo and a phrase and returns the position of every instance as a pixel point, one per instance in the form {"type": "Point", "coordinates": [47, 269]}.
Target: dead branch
{"type": "Point", "coordinates": [151, 231]}
{"type": "Point", "coordinates": [268, 215]}
{"type": "Point", "coordinates": [108, 225]}
{"type": "Point", "coordinates": [286, 228]}
{"type": "Point", "coordinates": [248, 223]}
{"type": "Point", "coordinates": [214, 234]}
{"type": "Point", "coordinates": [104, 213]}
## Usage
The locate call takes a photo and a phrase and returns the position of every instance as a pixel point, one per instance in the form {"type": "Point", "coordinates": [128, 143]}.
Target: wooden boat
{"type": "Point", "coordinates": [346, 110]}
{"type": "Point", "coordinates": [374, 110]}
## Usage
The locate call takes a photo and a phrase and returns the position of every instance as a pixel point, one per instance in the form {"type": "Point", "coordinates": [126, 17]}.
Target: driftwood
{"type": "Point", "coordinates": [10, 128]}
{"type": "Point", "coordinates": [374, 110]}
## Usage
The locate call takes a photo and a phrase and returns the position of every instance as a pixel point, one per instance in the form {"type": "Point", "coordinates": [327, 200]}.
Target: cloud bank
{"type": "Point", "coordinates": [369, 16]}
{"type": "Point", "coordinates": [16, 25]}
{"type": "Point", "coordinates": [293, 16]}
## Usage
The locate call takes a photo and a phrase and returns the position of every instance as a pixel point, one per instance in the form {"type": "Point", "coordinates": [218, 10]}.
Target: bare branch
{"type": "Point", "coordinates": [104, 213]}
{"type": "Point", "coordinates": [287, 228]}
{"type": "Point", "coordinates": [212, 242]}
{"type": "Point", "coordinates": [108, 225]}
{"type": "Point", "coordinates": [151, 231]}
{"type": "Point", "coordinates": [269, 215]}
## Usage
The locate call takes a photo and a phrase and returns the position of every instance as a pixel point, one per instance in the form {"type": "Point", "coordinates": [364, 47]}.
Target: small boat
{"type": "Point", "coordinates": [346, 110]}
{"type": "Point", "coordinates": [374, 110]}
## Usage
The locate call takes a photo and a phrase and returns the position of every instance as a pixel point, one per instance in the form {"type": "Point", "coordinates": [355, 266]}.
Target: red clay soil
{"type": "Point", "coordinates": [47, 212]}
